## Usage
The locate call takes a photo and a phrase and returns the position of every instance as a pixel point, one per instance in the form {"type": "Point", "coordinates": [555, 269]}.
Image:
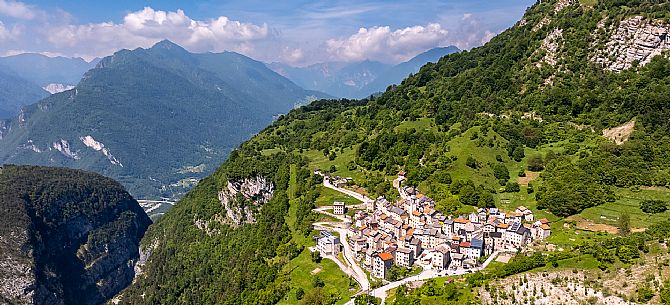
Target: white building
{"type": "Point", "coordinates": [404, 257]}
{"type": "Point", "coordinates": [338, 208]}
{"type": "Point", "coordinates": [382, 262]}
{"type": "Point", "coordinates": [328, 245]}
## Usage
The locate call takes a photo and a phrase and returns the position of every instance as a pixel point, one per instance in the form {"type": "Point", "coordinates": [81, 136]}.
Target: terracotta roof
{"type": "Point", "coordinates": [416, 213]}
{"type": "Point", "coordinates": [545, 227]}
{"type": "Point", "coordinates": [503, 225]}
{"type": "Point", "coordinates": [544, 220]}
{"type": "Point", "coordinates": [385, 256]}
{"type": "Point", "coordinates": [464, 244]}
{"type": "Point", "coordinates": [461, 220]}
{"type": "Point", "coordinates": [455, 237]}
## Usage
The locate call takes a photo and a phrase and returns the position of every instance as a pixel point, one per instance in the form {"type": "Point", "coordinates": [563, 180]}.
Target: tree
{"type": "Point", "coordinates": [299, 293]}
{"type": "Point", "coordinates": [653, 206]}
{"type": "Point", "coordinates": [316, 257]}
{"type": "Point", "coordinates": [518, 154]}
{"type": "Point", "coordinates": [535, 163]}
{"type": "Point", "coordinates": [500, 171]}
{"type": "Point", "coordinates": [317, 282]}
{"type": "Point", "coordinates": [365, 299]}
{"type": "Point", "coordinates": [314, 297]}
{"type": "Point", "coordinates": [512, 187]}
{"type": "Point", "coordinates": [624, 224]}
{"type": "Point", "coordinates": [471, 162]}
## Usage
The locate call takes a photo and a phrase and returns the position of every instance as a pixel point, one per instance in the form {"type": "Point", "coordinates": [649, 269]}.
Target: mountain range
{"type": "Point", "coordinates": [156, 119]}
{"type": "Point", "coordinates": [566, 112]}
{"type": "Point", "coordinates": [43, 70]}
{"type": "Point", "coordinates": [358, 79]}
{"type": "Point", "coordinates": [27, 78]}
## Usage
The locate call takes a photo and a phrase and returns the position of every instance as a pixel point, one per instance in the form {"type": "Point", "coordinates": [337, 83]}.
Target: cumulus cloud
{"type": "Point", "coordinates": [382, 44]}
{"type": "Point", "coordinates": [16, 9]}
{"type": "Point", "coordinates": [470, 32]}
{"type": "Point", "coordinates": [146, 27]}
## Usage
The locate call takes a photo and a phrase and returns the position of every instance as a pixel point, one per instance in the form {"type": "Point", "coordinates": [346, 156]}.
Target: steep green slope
{"type": "Point", "coordinates": [397, 73]}
{"type": "Point", "coordinates": [157, 120]}
{"type": "Point", "coordinates": [68, 237]}
{"type": "Point", "coordinates": [463, 129]}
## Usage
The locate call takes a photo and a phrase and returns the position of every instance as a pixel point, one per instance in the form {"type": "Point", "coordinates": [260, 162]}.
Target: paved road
{"type": "Point", "coordinates": [358, 196]}
{"type": "Point", "coordinates": [361, 277]}
{"type": "Point", "coordinates": [354, 269]}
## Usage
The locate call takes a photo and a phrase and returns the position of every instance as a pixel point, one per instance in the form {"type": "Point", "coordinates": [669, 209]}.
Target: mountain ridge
{"type": "Point", "coordinates": [528, 102]}
{"type": "Point", "coordinates": [358, 79]}
{"type": "Point", "coordinates": [115, 120]}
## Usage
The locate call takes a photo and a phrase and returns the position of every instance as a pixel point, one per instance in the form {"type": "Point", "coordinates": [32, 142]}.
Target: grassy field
{"type": "Point", "coordinates": [463, 147]}
{"type": "Point", "coordinates": [628, 202]}
{"type": "Point", "coordinates": [300, 268]}
{"type": "Point", "coordinates": [328, 196]}
{"type": "Point", "coordinates": [318, 160]}
{"type": "Point", "coordinates": [336, 282]}
{"type": "Point", "coordinates": [419, 124]}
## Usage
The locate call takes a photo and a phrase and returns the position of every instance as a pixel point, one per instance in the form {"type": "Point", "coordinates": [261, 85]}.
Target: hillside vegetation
{"type": "Point", "coordinates": [466, 130]}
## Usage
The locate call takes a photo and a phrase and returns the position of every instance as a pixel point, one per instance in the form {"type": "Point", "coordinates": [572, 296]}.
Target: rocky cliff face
{"type": "Point", "coordinates": [636, 39]}
{"type": "Point", "coordinates": [241, 200]}
{"type": "Point", "coordinates": [66, 236]}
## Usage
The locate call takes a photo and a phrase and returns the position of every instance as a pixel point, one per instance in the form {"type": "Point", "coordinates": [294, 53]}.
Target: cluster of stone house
{"type": "Point", "coordinates": [411, 229]}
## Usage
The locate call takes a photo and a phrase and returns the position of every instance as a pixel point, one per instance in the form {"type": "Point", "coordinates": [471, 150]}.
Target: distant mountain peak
{"type": "Point", "coordinates": [167, 44]}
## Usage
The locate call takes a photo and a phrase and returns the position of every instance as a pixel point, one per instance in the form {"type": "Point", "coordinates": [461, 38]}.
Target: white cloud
{"type": "Point", "coordinates": [16, 9]}
{"type": "Point", "coordinates": [380, 43]}
{"type": "Point", "coordinates": [146, 27]}
{"type": "Point", "coordinates": [8, 34]}
{"type": "Point", "coordinates": [470, 32]}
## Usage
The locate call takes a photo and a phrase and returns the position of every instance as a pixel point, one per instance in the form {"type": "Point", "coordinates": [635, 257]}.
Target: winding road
{"type": "Point", "coordinates": [356, 271]}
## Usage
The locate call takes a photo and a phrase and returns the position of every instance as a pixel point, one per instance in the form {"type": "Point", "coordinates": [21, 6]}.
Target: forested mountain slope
{"type": "Point", "coordinates": [155, 119]}
{"type": "Point", "coordinates": [66, 236]}
{"type": "Point", "coordinates": [534, 100]}
{"type": "Point", "coordinates": [16, 92]}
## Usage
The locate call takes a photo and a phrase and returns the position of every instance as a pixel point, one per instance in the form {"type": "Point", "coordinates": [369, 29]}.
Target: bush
{"type": "Point", "coordinates": [512, 187]}
{"type": "Point", "coordinates": [299, 294]}
{"type": "Point", "coordinates": [500, 171]}
{"type": "Point", "coordinates": [653, 206]}
{"type": "Point", "coordinates": [644, 294]}
{"type": "Point", "coordinates": [471, 162]}
{"type": "Point", "coordinates": [535, 163]}
{"type": "Point", "coordinates": [316, 257]}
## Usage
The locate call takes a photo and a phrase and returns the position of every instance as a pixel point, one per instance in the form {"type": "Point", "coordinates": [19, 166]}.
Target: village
{"type": "Point", "coordinates": [410, 233]}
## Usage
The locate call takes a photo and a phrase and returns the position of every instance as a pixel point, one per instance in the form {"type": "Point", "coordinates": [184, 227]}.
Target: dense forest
{"type": "Point", "coordinates": [458, 128]}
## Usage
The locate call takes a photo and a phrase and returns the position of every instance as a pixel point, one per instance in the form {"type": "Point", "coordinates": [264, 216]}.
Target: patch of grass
{"type": "Point", "coordinates": [568, 237]}
{"type": "Point", "coordinates": [590, 3]}
{"type": "Point", "coordinates": [300, 269]}
{"type": "Point", "coordinates": [328, 196]}
{"type": "Point", "coordinates": [427, 124]}
{"type": "Point", "coordinates": [341, 162]}
{"type": "Point", "coordinates": [628, 202]}
{"type": "Point", "coordinates": [270, 151]}
{"type": "Point", "coordinates": [465, 146]}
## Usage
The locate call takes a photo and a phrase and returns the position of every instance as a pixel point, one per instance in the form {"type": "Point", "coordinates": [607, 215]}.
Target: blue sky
{"type": "Point", "coordinates": [297, 32]}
